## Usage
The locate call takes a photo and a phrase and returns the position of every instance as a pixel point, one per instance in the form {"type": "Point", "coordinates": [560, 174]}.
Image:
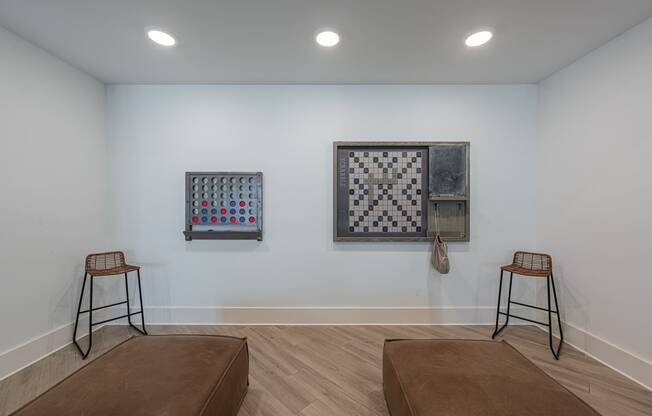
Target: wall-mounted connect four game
{"type": "Point", "coordinates": [224, 206]}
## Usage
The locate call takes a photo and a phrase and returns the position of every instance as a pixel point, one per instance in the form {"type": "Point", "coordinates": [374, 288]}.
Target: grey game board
{"type": "Point", "coordinates": [223, 205]}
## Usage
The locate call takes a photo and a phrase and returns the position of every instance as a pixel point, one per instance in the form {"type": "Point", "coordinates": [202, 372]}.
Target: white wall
{"type": "Point", "coordinates": [53, 210]}
{"type": "Point", "coordinates": [595, 198]}
{"type": "Point", "coordinates": [159, 132]}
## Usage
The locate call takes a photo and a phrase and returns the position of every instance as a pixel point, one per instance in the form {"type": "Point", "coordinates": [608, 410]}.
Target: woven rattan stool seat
{"type": "Point", "coordinates": [114, 271]}
{"type": "Point", "coordinates": [530, 264]}
{"type": "Point", "coordinates": [515, 268]}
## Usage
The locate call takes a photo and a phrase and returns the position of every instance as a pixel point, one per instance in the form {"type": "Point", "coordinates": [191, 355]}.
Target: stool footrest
{"type": "Point", "coordinates": [532, 306]}
{"type": "Point", "coordinates": [103, 307]}
{"type": "Point", "coordinates": [116, 318]}
{"type": "Point", "coordinates": [525, 319]}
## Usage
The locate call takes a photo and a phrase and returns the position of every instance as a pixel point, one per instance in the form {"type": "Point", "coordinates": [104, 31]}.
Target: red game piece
{"type": "Point", "coordinates": [233, 220]}
{"type": "Point", "coordinates": [242, 203]}
{"type": "Point", "coordinates": [213, 219]}
{"type": "Point", "coordinates": [223, 211]}
{"type": "Point", "coordinates": [195, 219]}
{"type": "Point", "coordinates": [252, 219]}
{"type": "Point", "coordinates": [204, 203]}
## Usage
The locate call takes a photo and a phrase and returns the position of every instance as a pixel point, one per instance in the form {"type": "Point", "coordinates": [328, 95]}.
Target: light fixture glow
{"type": "Point", "coordinates": [479, 38]}
{"type": "Point", "coordinates": [161, 38]}
{"type": "Point", "coordinates": [327, 38]}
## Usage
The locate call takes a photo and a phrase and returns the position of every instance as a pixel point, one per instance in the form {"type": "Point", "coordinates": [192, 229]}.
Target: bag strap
{"type": "Point", "coordinates": [436, 220]}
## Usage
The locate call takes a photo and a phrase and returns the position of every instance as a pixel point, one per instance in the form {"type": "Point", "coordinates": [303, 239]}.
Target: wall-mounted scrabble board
{"type": "Point", "coordinates": [224, 206]}
{"type": "Point", "coordinates": [392, 191]}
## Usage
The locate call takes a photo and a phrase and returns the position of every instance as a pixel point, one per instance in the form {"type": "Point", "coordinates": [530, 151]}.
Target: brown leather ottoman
{"type": "Point", "coordinates": [470, 378]}
{"type": "Point", "coordinates": [171, 375]}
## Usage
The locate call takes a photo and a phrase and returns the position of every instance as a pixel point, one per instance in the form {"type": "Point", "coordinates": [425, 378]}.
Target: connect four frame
{"type": "Point", "coordinates": [224, 206]}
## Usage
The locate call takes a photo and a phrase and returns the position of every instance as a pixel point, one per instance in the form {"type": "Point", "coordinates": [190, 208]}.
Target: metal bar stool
{"type": "Point", "coordinates": [532, 265]}
{"type": "Point", "coordinates": [107, 264]}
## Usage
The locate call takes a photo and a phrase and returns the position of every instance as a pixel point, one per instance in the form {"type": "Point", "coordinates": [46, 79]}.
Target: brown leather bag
{"type": "Point", "coordinates": [439, 257]}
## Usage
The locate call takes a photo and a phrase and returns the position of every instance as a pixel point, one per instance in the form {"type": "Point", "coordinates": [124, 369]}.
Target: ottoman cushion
{"type": "Point", "coordinates": [470, 378]}
{"type": "Point", "coordinates": [155, 375]}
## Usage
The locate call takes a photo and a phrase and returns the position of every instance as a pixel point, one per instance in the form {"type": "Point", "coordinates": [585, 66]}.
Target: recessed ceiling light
{"type": "Point", "coordinates": [327, 38]}
{"type": "Point", "coordinates": [479, 38]}
{"type": "Point", "coordinates": [161, 37]}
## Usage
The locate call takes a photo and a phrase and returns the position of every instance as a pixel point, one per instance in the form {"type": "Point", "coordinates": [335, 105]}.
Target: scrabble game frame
{"type": "Point", "coordinates": [455, 209]}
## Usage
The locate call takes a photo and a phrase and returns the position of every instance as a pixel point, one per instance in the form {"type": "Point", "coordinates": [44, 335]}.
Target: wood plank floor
{"type": "Point", "coordinates": [336, 370]}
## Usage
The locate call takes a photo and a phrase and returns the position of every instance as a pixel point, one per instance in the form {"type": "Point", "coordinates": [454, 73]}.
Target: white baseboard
{"type": "Point", "coordinates": [27, 353]}
{"type": "Point", "coordinates": [320, 315]}
{"type": "Point", "coordinates": [21, 356]}
{"type": "Point", "coordinates": [630, 365]}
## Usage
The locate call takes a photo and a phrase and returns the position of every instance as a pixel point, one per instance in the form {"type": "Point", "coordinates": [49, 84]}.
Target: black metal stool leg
{"type": "Point", "coordinates": [142, 312]}
{"type": "Point", "coordinates": [128, 307]}
{"type": "Point", "coordinates": [509, 301]}
{"type": "Point", "coordinates": [561, 331]}
{"type": "Point", "coordinates": [509, 296]}
{"type": "Point", "coordinates": [74, 333]}
{"type": "Point", "coordinates": [142, 306]}
{"type": "Point", "coordinates": [500, 289]}
{"type": "Point", "coordinates": [550, 318]}
{"type": "Point", "coordinates": [90, 319]}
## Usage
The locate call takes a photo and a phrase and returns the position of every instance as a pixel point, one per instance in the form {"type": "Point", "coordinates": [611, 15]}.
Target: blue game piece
{"type": "Point", "coordinates": [242, 219]}
{"type": "Point", "coordinates": [204, 219]}
{"type": "Point", "coordinates": [223, 219]}
{"type": "Point", "coordinates": [232, 211]}
{"type": "Point", "coordinates": [204, 211]}
{"type": "Point", "coordinates": [214, 211]}
{"type": "Point", "coordinates": [242, 211]}
{"type": "Point", "coordinates": [232, 203]}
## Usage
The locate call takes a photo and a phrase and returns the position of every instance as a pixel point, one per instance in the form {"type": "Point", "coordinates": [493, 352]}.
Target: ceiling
{"type": "Point", "coordinates": [272, 41]}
